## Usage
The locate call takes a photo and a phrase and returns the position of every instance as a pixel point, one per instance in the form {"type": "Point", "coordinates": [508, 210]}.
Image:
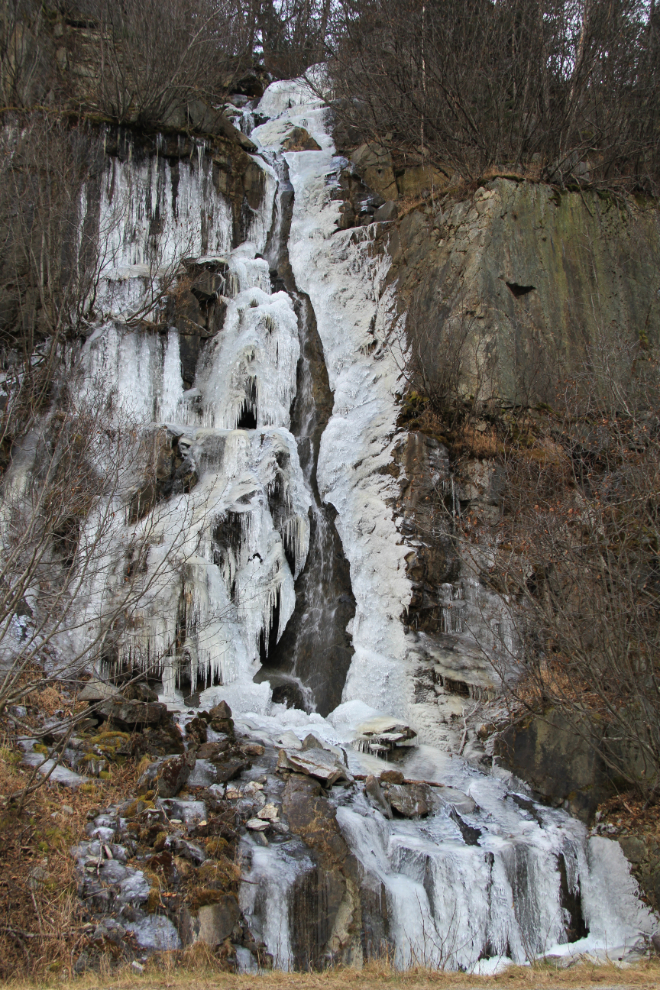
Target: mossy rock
{"type": "Point", "coordinates": [160, 841]}
{"type": "Point", "coordinates": [153, 901]}
{"type": "Point", "coordinates": [219, 874]}
{"type": "Point", "coordinates": [135, 807]}
{"type": "Point", "coordinates": [216, 845]}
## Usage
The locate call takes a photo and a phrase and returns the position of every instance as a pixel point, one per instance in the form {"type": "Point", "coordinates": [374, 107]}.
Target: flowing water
{"type": "Point", "coordinates": [295, 578]}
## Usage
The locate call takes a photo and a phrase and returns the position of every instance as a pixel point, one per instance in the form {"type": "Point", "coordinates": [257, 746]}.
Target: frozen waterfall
{"type": "Point", "coordinates": [489, 875]}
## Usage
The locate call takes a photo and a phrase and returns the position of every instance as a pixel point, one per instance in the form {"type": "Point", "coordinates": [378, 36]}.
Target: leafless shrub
{"type": "Point", "coordinates": [568, 88]}
{"type": "Point", "coordinates": [50, 257]}
{"type": "Point", "coordinates": [148, 60]}
{"type": "Point", "coordinates": [82, 504]}
{"type": "Point", "coordinates": [74, 562]}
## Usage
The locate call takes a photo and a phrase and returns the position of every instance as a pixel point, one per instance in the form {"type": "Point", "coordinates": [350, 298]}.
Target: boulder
{"type": "Point", "coordinates": [197, 730]}
{"type": "Point", "coordinates": [139, 691]}
{"type": "Point", "coordinates": [315, 763]}
{"type": "Point", "coordinates": [300, 140]}
{"type": "Point", "coordinates": [213, 750]}
{"type": "Point", "coordinates": [129, 714]}
{"type": "Point", "coordinates": [312, 741]}
{"type": "Point", "coordinates": [189, 812]}
{"type": "Point", "coordinates": [96, 690]}
{"type": "Point", "coordinates": [167, 776]}
{"type": "Point", "coordinates": [213, 923]}
{"type": "Point", "coordinates": [253, 749]}
{"type": "Point", "coordinates": [289, 740]}
{"type": "Point", "coordinates": [230, 769]}
{"type": "Point", "coordinates": [257, 824]}
{"type": "Point", "coordinates": [221, 720]}
{"type": "Point", "coordinates": [224, 725]}
{"type": "Point", "coordinates": [457, 799]}
{"type": "Point", "coordinates": [387, 212]}
{"type": "Point", "coordinates": [155, 932]}
{"type": "Point", "coordinates": [410, 800]}
{"type": "Point", "coordinates": [221, 710]}
{"type": "Point", "coordinates": [269, 813]}
{"type": "Point", "coordinates": [391, 777]}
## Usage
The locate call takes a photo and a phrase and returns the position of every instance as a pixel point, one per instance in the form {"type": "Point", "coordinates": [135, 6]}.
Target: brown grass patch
{"type": "Point", "coordinates": [42, 922]}
{"type": "Point", "coordinates": [184, 971]}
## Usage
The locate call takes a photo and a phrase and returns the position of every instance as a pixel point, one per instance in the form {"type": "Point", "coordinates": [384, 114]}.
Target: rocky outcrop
{"type": "Point", "coordinates": [408, 180]}
{"type": "Point", "coordinates": [561, 767]}
{"type": "Point", "coordinates": [326, 900]}
{"type": "Point", "coordinates": [643, 854]}
{"type": "Point", "coordinates": [300, 140]}
{"type": "Point", "coordinates": [509, 288]}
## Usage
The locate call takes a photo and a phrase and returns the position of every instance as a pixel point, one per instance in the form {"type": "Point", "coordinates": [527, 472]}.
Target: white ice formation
{"type": "Point", "coordinates": [486, 878]}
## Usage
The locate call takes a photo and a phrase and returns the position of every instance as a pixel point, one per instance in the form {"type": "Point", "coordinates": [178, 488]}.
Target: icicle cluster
{"type": "Point", "coordinates": [223, 558]}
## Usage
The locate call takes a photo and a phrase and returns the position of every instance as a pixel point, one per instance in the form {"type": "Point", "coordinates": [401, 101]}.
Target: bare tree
{"type": "Point", "coordinates": [26, 55]}
{"type": "Point", "coordinates": [149, 59]}
{"type": "Point", "coordinates": [564, 87]}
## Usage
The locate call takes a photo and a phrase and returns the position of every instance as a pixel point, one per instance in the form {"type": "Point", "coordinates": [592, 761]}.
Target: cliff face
{"type": "Point", "coordinates": [520, 283]}
{"type": "Point", "coordinates": [317, 586]}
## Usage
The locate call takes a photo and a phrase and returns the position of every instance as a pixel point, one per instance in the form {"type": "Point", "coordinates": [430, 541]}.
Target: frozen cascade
{"type": "Point", "coordinates": [489, 875]}
{"type": "Point", "coordinates": [307, 667]}
{"type": "Point", "coordinates": [182, 204]}
{"type": "Point", "coordinates": [507, 879]}
{"type": "Point", "coordinates": [225, 556]}
{"type": "Point", "coordinates": [251, 371]}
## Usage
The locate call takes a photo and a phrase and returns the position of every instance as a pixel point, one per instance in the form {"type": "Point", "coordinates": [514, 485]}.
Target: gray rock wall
{"type": "Point", "coordinates": [511, 289]}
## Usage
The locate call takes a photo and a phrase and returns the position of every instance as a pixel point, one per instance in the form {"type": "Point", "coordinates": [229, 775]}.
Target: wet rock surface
{"type": "Point", "coordinates": [409, 800]}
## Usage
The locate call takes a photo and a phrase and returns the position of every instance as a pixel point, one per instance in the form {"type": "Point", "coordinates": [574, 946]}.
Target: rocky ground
{"type": "Point", "coordinates": [152, 833]}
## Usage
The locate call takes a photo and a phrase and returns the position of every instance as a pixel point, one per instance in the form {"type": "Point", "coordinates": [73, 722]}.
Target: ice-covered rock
{"type": "Point", "coordinates": [317, 763]}
{"type": "Point", "coordinates": [382, 734]}
{"type": "Point", "coordinates": [134, 888]}
{"type": "Point", "coordinates": [410, 800]}
{"type": "Point", "coordinates": [155, 932]}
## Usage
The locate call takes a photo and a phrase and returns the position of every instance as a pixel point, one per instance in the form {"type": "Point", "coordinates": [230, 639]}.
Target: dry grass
{"type": "Point", "coordinates": [171, 973]}
{"type": "Point", "coordinates": [42, 925]}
